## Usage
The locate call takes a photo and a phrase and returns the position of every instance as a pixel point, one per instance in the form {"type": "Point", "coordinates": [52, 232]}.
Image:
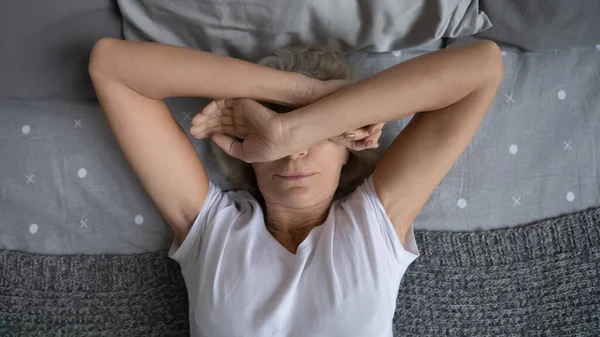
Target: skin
{"type": "Point", "coordinates": [450, 90]}
{"type": "Point", "coordinates": [293, 208]}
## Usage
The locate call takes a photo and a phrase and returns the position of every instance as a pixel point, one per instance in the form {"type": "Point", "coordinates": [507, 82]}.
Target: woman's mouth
{"type": "Point", "coordinates": [294, 176]}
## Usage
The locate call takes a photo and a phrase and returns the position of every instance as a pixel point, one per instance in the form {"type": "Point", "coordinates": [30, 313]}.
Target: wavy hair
{"type": "Point", "coordinates": [319, 63]}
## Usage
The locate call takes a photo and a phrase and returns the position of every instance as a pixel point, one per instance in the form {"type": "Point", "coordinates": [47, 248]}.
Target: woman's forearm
{"type": "Point", "coordinates": [426, 83]}
{"type": "Point", "coordinates": [159, 71]}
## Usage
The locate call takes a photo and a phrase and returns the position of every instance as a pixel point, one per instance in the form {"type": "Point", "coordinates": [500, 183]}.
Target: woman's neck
{"type": "Point", "coordinates": [291, 226]}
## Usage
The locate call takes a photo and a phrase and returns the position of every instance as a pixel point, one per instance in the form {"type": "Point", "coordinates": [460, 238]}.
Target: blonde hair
{"type": "Point", "coordinates": [316, 62]}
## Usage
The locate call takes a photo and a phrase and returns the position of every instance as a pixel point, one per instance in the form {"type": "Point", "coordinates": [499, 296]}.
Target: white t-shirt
{"type": "Point", "coordinates": [343, 281]}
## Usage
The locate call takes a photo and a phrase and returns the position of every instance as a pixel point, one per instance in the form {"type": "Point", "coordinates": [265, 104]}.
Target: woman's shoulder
{"type": "Point", "coordinates": [241, 198]}
{"type": "Point", "coordinates": [361, 191]}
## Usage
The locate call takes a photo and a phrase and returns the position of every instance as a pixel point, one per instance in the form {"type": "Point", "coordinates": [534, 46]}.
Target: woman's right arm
{"type": "Point", "coordinates": [450, 91]}
{"type": "Point", "coordinates": [426, 83]}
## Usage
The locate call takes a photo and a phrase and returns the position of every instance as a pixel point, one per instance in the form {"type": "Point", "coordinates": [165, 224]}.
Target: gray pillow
{"type": "Point", "coordinates": [45, 46]}
{"type": "Point", "coordinates": [543, 25]}
{"type": "Point", "coordinates": [250, 29]}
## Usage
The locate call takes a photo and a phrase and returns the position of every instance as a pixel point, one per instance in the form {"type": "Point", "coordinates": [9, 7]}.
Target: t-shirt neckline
{"type": "Point", "coordinates": [304, 246]}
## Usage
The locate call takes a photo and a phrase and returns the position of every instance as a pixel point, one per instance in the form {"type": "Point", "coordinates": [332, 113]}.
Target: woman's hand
{"type": "Point", "coordinates": [245, 118]}
{"type": "Point", "coordinates": [258, 127]}
{"type": "Point", "coordinates": [361, 139]}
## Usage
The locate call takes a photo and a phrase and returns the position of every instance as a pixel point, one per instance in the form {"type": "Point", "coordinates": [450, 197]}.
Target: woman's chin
{"type": "Point", "coordinates": [296, 196]}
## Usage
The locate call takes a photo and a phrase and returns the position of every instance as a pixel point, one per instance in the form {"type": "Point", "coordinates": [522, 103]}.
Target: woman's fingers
{"type": "Point", "coordinates": [226, 103]}
{"type": "Point", "coordinates": [364, 132]}
{"type": "Point", "coordinates": [210, 109]}
{"type": "Point", "coordinates": [204, 116]}
{"type": "Point", "coordinates": [373, 140]}
{"type": "Point", "coordinates": [357, 134]}
{"type": "Point", "coordinates": [216, 106]}
{"type": "Point", "coordinates": [229, 145]}
{"type": "Point", "coordinates": [222, 124]}
{"type": "Point", "coordinates": [241, 150]}
{"type": "Point", "coordinates": [199, 131]}
{"type": "Point", "coordinates": [359, 145]}
{"type": "Point", "coordinates": [214, 118]}
{"type": "Point", "coordinates": [373, 128]}
{"type": "Point", "coordinates": [213, 109]}
{"type": "Point", "coordinates": [205, 131]}
{"type": "Point", "coordinates": [370, 142]}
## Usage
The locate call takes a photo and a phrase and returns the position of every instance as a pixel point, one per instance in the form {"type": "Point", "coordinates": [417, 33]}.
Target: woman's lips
{"type": "Point", "coordinates": [296, 176]}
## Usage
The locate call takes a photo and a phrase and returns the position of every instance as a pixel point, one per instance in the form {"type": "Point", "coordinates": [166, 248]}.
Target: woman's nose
{"type": "Point", "coordinates": [298, 154]}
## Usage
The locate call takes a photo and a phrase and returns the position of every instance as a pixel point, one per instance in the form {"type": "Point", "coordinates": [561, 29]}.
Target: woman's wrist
{"type": "Point", "coordinates": [300, 130]}
{"type": "Point", "coordinates": [286, 88]}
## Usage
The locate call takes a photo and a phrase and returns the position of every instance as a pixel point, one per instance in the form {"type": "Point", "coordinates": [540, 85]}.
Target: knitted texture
{"type": "Point", "coordinates": [91, 295]}
{"type": "Point", "coordinates": [540, 279]}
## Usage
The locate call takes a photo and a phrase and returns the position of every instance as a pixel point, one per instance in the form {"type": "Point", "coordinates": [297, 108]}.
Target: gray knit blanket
{"type": "Point", "coordinates": [540, 279]}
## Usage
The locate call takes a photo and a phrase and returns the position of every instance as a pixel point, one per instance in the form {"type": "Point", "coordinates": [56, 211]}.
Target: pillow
{"type": "Point", "coordinates": [45, 46]}
{"type": "Point", "coordinates": [250, 29]}
{"type": "Point", "coordinates": [543, 25]}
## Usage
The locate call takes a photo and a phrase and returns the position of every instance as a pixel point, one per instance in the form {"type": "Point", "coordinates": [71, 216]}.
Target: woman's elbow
{"type": "Point", "coordinates": [103, 50]}
{"type": "Point", "coordinates": [494, 63]}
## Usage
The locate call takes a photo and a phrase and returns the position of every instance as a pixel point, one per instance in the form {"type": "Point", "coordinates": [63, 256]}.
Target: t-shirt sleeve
{"type": "Point", "coordinates": [190, 247]}
{"type": "Point", "coordinates": [379, 224]}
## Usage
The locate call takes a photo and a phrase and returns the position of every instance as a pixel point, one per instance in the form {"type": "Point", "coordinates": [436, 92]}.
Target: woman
{"type": "Point", "coordinates": [299, 263]}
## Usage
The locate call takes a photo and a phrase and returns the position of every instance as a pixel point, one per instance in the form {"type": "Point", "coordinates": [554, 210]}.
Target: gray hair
{"type": "Point", "coordinates": [316, 62]}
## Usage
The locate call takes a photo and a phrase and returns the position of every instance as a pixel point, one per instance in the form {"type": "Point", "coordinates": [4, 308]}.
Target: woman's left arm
{"type": "Point", "coordinates": [132, 79]}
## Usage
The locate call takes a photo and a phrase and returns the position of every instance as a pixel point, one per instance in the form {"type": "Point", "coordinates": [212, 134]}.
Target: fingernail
{"type": "Point", "coordinates": [350, 135]}
{"type": "Point", "coordinates": [369, 143]}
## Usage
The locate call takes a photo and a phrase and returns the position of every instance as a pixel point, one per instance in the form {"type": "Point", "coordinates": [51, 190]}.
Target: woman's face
{"type": "Point", "coordinates": [324, 159]}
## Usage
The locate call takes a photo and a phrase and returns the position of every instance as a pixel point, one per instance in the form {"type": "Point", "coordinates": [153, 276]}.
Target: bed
{"type": "Point", "coordinates": [66, 190]}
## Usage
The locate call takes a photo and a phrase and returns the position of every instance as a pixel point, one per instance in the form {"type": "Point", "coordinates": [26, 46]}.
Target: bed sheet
{"type": "Point", "coordinates": [65, 188]}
